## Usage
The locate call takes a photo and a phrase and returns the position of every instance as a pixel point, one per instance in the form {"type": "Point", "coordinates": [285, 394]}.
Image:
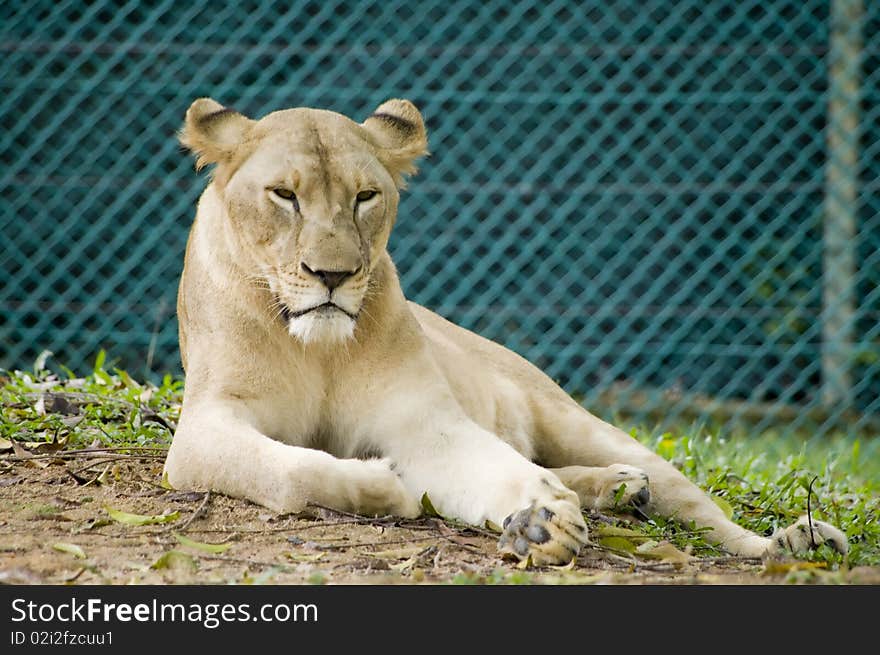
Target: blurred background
{"type": "Point", "coordinates": [672, 207]}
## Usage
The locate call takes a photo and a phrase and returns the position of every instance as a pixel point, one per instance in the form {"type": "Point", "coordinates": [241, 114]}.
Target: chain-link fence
{"type": "Point", "coordinates": [671, 207]}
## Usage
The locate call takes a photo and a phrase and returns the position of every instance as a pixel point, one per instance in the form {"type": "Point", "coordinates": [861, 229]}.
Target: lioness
{"type": "Point", "coordinates": [311, 379]}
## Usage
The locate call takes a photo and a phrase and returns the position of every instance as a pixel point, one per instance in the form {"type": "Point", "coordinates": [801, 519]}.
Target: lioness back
{"type": "Point", "coordinates": [500, 390]}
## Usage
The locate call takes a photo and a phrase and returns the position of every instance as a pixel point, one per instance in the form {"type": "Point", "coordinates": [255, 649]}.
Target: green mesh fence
{"type": "Point", "coordinates": [671, 207]}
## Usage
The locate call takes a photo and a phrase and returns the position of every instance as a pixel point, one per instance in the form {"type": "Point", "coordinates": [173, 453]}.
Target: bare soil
{"type": "Point", "coordinates": [48, 504]}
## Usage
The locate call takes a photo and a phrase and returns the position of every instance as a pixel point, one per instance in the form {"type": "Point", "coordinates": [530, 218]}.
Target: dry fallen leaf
{"type": "Point", "coordinates": [664, 551]}
{"type": "Point", "coordinates": [525, 564]}
{"type": "Point", "coordinates": [198, 545]}
{"type": "Point", "coordinates": [494, 527]}
{"type": "Point", "coordinates": [776, 567]}
{"type": "Point", "coordinates": [564, 567]}
{"type": "Point", "coordinates": [400, 567]}
{"type": "Point", "coordinates": [141, 519]}
{"type": "Point", "coordinates": [428, 506]}
{"type": "Point", "coordinates": [304, 557]}
{"type": "Point", "coordinates": [71, 549]}
{"type": "Point", "coordinates": [28, 457]}
{"type": "Point", "coordinates": [165, 484]}
{"type": "Point", "coordinates": [176, 561]}
{"type": "Point", "coordinates": [620, 544]}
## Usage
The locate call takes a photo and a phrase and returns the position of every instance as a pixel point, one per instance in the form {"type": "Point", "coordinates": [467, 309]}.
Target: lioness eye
{"type": "Point", "coordinates": [286, 194]}
{"type": "Point", "coordinates": [363, 196]}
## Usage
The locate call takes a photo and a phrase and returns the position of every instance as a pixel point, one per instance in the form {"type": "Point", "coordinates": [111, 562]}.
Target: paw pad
{"type": "Point", "coordinates": [547, 536]}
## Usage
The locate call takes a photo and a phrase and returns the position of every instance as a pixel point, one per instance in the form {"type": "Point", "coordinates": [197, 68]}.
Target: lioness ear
{"type": "Point", "coordinates": [212, 131]}
{"type": "Point", "coordinates": [399, 133]}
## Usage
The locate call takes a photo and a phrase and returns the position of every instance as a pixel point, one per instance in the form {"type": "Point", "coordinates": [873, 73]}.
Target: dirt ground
{"type": "Point", "coordinates": [55, 528]}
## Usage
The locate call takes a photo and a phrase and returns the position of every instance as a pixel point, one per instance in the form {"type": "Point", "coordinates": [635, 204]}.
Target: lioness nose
{"type": "Point", "coordinates": [331, 279]}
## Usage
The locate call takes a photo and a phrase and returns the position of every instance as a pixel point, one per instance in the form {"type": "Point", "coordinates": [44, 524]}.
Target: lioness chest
{"type": "Point", "coordinates": [330, 403]}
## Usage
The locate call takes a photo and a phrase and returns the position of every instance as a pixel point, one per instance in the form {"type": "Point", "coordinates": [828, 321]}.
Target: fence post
{"type": "Point", "coordinates": [841, 200]}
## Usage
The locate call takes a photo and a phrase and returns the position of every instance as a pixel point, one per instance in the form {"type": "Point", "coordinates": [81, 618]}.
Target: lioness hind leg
{"type": "Point", "coordinates": [574, 441]}
{"type": "Point", "coordinates": [600, 487]}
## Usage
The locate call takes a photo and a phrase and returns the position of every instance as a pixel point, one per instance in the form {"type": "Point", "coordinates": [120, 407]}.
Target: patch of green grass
{"type": "Point", "coordinates": [763, 481]}
{"type": "Point", "coordinates": [103, 408]}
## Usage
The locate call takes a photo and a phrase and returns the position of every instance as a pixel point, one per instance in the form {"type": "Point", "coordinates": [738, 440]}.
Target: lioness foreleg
{"type": "Point", "coordinates": [216, 447]}
{"type": "Point", "coordinates": [470, 474]}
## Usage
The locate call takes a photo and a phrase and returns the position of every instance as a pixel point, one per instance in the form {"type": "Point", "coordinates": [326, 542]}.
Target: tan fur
{"type": "Point", "coordinates": [369, 403]}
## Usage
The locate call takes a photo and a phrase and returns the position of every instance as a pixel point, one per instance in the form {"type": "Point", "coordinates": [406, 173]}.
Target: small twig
{"type": "Point", "coordinates": [244, 560]}
{"type": "Point", "coordinates": [638, 510]}
{"type": "Point", "coordinates": [310, 526]}
{"type": "Point", "coordinates": [636, 565]}
{"type": "Point", "coordinates": [810, 511]}
{"type": "Point", "coordinates": [459, 528]}
{"type": "Point", "coordinates": [359, 518]}
{"type": "Point", "coordinates": [70, 454]}
{"type": "Point", "coordinates": [440, 552]}
{"type": "Point", "coordinates": [79, 395]}
{"type": "Point", "coordinates": [660, 567]}
{"type": "Point", "coordinates": [596, 515]}
{"type": "Point", "coordinates": [100, 449]}
{"type": "Point", "coordinates": [64, 456]}
{"type": "Point", "coordinates": [467, 547]}
{"type": "Point", "coordinates": [321, 524]}
{"type": "Point", "coordinates": [200, 511]}
{"type": "Point", "coordinates": [608, 554]}
{"type": "Point", "coordinates": [343, 546]}
{"type": "Point", "coordinates": [105, 433]}
{"type": "Point", "coordinates": [82, 570]}
{"type": "Point", "coordinates": [612, 552]}
{"type": "Point", "coordinates": [228, 530]}
{"type": "Point", "coordinates": [728, 559]}
{"type": "Point", "coordinates": [94, 464]}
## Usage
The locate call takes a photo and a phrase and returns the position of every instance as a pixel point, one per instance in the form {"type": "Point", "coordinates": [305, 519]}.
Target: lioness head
{"type": "Point", "coordinates": [309, 198]}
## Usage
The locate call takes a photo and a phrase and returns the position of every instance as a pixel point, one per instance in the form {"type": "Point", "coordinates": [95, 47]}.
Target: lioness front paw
{"type": "Point", "coordinates": [796, 538]}
{"type": "Point", "coordinates": [635, 481]}
{"type": "Point", "coordinates": [378, 491]}
{"type": "Point", "coordinates": [551, 533]}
